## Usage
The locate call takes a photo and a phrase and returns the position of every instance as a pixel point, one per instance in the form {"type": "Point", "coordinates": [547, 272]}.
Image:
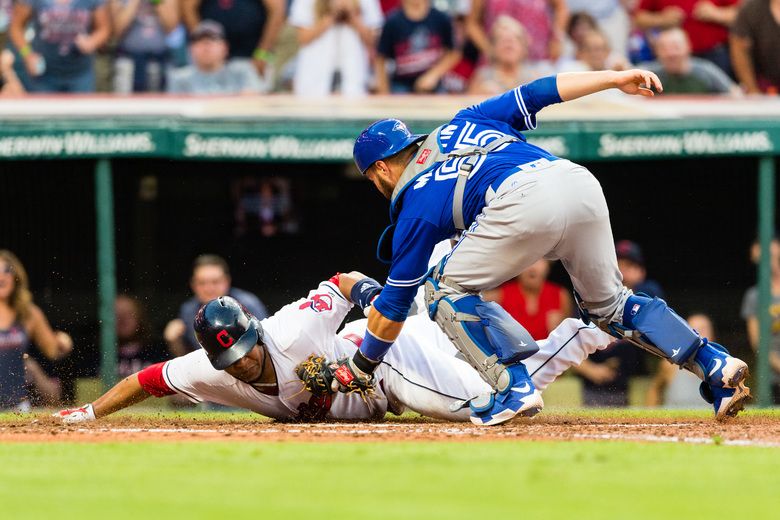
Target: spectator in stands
{"type": "Point", "coordinates": [750, 313]}
{"type": "Point", "coordinates": [508, 67]}
{"type": "Point", "coordinates": [545, 22]}
{"type": "Point", "coordinates": [631, 263]}
{"type": "Point", "coordinates": [9, 82]}
{"type": "Point", "coordinates": [682, 73]}
{"type": "Point", "coordinates": [673, 387]}
{"type": "Point", "coordinates": [211, 72]}
{"type": "Point", "coordinates": [135, 348]}
{"type": "Point", "coordinates": [418, 39]}
{"type": "Point", "coordinates": [610, 17]}
{"type": "Point", "coordinates": [755, 46]}
{"type": "Point", "coordinates": [532, 300]}
{"type": "Point", "coordinates": [21, 324]}
{"type": "Point", "coordinates": [210, 279]}
{"type": "Point", "coordinates": [141, 27]}
{"type": "Point", "coordinates": [251, 27]}
{"type": "Point", "coordinates": [6, 9]}
{"type": "Point", "coordinates": [594, 53]}
{"type": "Point", "coordinates": [606, 373]}
{"type": "Point", "coordinates": [335, 37]}
{"type": "Point", "coordinates": [706, 24]}
{"type": "Point", "coordinates": [60, 57]}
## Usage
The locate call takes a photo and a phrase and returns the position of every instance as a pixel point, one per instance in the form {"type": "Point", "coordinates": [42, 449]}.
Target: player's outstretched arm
{"type": "Point", "coordinates": [573, 85]}
{"type": "Point", "coordinates": [125, 393]}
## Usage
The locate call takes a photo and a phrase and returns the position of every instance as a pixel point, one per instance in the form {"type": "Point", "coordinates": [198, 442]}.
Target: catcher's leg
{"type": "Point", "coordinates": [588, 253]}
{"type": "Point", "coordinates": [493, 343]}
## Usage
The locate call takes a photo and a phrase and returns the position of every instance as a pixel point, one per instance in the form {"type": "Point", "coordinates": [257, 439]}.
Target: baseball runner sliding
{"type": "Point", "coordinates": [265, 366]}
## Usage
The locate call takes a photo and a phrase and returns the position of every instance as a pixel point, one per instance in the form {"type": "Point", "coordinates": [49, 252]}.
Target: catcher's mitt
{"type": "Point", "coordinates": [315, 375]}
{"type": "Point", "coordinates": [322, 378]}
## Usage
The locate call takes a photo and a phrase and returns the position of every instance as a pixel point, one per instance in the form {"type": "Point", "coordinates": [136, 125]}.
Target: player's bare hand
{"type": "Point", "coordinates": [638, 82]}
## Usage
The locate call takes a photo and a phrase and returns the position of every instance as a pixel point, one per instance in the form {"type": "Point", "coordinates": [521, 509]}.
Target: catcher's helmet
{"type": "Point", "coordinates": [226, 331]}
{"type": "Point", "coordinates": [382, 139]}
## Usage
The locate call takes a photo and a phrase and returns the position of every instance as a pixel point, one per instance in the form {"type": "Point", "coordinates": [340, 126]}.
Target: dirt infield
{"type": "Point", "coordinates": [749, 430]}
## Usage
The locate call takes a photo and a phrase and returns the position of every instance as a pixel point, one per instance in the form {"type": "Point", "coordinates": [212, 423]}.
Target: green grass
{"type": "Point", "coordinates": [393, 480]}
{"type": "Point", "coordinates": [580, 480]}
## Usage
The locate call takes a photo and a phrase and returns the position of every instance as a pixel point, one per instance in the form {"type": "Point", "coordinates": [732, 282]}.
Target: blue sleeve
{"type": "Point", "coordinates": [413, 244]}
{"type": "Point", "coordinates": [518, 106]}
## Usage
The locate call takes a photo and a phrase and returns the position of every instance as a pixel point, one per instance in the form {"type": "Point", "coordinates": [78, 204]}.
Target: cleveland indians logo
{"type": "Point", "coordinates": [318, 303]}
{"type": "Point", "coordinates": [225, 339]}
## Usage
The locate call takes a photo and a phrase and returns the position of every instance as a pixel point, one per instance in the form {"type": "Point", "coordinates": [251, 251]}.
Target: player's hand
{"type": "Point", "coordinates": [76, 415]}
{"type": "Point", "coordinates": [638, 82]}
{"type": "Point", "coordinates": [348, 378]}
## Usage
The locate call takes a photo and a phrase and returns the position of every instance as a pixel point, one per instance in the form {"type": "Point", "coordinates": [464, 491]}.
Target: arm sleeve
{"type": "Point", "coordinates": [518, 106]}
{"type": "Point", "coordinates": [413, 244]}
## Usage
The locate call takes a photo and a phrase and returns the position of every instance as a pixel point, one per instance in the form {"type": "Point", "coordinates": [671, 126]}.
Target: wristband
{"type": "Point", "coordinates": [25, 51]}
{"type": "Point", "coordinates": [263, 55]}
{"type": "Point", "coordinates": [373, 349]}
{"type": "Point", "coordinates": [364, 364]}
{"type": "Point", "coordinates": [364, 291]}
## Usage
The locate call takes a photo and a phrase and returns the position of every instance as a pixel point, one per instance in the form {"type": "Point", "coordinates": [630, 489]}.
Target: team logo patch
{"type": "Point", "coordinates": [635, 309]}
{"type": "Point", "coordinates": [424, 156]}
{"type": "Point", "coordinates": [318, 303]}
{"type": "Point", "coordinates": [224, 338]}
{"type": "Point", "coordinates": [343, 375]}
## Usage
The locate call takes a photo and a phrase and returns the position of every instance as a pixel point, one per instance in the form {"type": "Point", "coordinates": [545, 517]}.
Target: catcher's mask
{"type": "Point", "coordinates": [226, 331]}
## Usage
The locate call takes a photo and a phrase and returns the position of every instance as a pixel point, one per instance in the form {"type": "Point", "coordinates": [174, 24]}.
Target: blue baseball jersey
{"type": "Point", "coordinates": [422, 211]}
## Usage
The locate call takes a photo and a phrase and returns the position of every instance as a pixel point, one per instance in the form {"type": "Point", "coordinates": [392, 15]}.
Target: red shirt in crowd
{"type": "Point", "coordinates": [704, 36]}
{"type": "Point", "coordinates": [513, 301]}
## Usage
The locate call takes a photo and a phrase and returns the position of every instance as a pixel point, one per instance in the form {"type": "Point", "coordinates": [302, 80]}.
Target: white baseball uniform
{"type": "Point", "coordinates": [422, 373]}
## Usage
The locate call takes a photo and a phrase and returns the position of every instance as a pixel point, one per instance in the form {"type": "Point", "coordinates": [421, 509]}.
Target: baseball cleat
{"type": "Point", "coordinates": [724, 380]}
{"type": "Point", "coordinates": [520, 399]}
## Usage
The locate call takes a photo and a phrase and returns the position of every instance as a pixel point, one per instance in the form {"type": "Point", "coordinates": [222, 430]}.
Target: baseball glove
{"type": "Point", "coordinates": [321, 377]}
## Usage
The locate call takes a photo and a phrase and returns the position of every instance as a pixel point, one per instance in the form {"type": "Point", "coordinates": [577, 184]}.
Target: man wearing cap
{"type": "Point", "coordinates": [510, 204]}
{"type": "Point", "coordinates": [211, 72]}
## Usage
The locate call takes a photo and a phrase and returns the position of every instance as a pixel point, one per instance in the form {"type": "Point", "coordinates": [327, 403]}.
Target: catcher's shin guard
{"type": "Point", "coordinates": [487, 336]}
{"type": "Point", "coordinates": [652, 325]}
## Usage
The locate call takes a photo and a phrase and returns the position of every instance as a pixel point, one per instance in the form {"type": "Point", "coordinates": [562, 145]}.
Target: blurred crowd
{"type": "Point", "coordinates": [315, 48]}
{"type": "Point", "coordinates": [31, 351]}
